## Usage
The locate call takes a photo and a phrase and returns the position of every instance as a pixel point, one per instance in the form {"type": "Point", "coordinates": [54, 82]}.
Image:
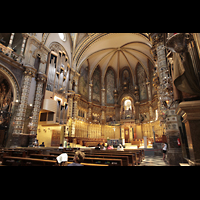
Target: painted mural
{"type": "Point", "coordinates": [83, 81]}
{"type": "Point", "coordinates": [141, 77]}
{"type": "Point", "coordinates": [110, 80]}
{"type": "Point", "coordinates": [96, 84]}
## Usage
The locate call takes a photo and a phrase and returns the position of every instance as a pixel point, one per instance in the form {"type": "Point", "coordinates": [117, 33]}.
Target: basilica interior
{"type": "Point", "coordinates": [142, 89]}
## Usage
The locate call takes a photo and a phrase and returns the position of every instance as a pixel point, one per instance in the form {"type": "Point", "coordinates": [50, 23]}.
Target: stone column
{"type": "Point", "coordinates": [70, 104]}
{"type": "Point", "coordinates": [90, 91]}
{"type": "Point", "coordinates": [23, 44]}
{"type": "Point", "coordinates": [149, 100]}
{"type": "Point", "coordinates": [190, 112]}
{"type": "Point", "coordinates": [11, 40]}
{"type": "Point", "coordinates": [41, 79]}
{"type": "Point", "coordinates": [76, 98]}
{"type": "Point", "coordinates": [174, 153]}
{"type": "Point", "coordinates": [137, 104]}
{"type": "Point", "coordinates": [21, 111]}
{"type": "Point", "coordinates": [103, 114]}
{"type": "Point", "coordinates": [90, 112]}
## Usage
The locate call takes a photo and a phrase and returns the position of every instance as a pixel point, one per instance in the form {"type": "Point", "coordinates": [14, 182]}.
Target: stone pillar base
{"type": "Point", "coordinates": [19, 140]}
{"type": "Point", "coordinates": [190, 111]}
{"type": "Point", "coordinates": [174, 157]}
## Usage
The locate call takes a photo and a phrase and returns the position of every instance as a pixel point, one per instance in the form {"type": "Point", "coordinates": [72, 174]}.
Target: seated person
{"type": "Point", "coordinates": [120, 148]}
{"type": "Point", "coordinates": [61, 146]}
{"type": "Point", "coordinates": [109, 147]}
{"type": "Point", "coordinates": [68, 146]}
{"type": "Point", "coordinates": [97, 147]}
{"type": "Point", "coordinates": [78, 158]}
{"type": "Point", "coordinates": [102, 147]}
{"type": "Point", "coordinates": [42, 145]}
{"type": "Point", "coordinates": [62, 159]}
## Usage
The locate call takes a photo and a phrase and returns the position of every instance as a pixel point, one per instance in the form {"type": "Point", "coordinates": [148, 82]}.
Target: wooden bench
{"type": "Point", "coordinates": [125, 159]}
{"type": "Point", "coordinates": [131, 157]}
{"type": "Point", "coordinates": [109, 161]}
{"type": "Point", "coordinates": [22, 161]}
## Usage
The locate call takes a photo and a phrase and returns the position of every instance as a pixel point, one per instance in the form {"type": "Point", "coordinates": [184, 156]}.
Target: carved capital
{"type": "Point", "coordinates": [30, 71]}
{"type": "Point", "coordinates": [41, 77]}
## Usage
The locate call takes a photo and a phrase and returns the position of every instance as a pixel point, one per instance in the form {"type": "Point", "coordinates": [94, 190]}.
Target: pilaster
{"type": "Point", "coordinates": [20, 117]}
{"type": "Point", "coordinates": [41, 79]}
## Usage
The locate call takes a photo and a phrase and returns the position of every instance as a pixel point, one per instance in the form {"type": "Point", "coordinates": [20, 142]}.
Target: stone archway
{"type": "Point", "coordinates": [12, 82]}
{"type": "Point", "coordinates": [9, 93]}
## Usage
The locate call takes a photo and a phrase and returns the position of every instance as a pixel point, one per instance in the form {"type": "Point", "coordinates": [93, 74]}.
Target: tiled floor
{"type": "Point", "coordinates": [153, 161]}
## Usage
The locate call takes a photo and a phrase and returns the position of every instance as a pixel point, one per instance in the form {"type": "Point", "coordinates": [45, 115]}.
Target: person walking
{"type": "Point", "coordinates": [164, 150]}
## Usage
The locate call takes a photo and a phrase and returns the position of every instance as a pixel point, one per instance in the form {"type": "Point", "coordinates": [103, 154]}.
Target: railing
{"type": "Point", "coordinates": [10, 53]}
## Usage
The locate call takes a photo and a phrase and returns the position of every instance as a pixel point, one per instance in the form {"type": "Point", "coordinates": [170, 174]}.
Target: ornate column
{"type": "Point", "coordinates": [103, 107]}
{"type": "Point", "coordinates": [23, 44]}
{"type": "Point", "coordinates": [149, 100]}
{"type": "Point", "coordinates": [70, 104]}
{"type": "Point", "coordinates": [41, 79]}
{"type": "Point", "coordinates": [76, 98]}
{"type": "Point", "coordinates": [90, 102]}
{"type": "Point", "coordinates": [137, 103]}
{"type": "Point", "coordinates": [103, 114]}
{"type": "Point", "coordinates": [11, 40]}
{"type": "Point", "coordinates": [174, 153]}
{"type": "Point", "coordinates": [21, 111]}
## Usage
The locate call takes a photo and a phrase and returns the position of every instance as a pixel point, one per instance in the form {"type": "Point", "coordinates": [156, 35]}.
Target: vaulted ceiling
{"type": "Point", "coordinates": [117, 50]}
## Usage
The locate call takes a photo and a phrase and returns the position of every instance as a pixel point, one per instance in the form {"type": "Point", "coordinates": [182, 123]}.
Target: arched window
{"type": "Point", "coordinates": [141, 81]}
{"type": "Point", "coordinates": [83, 81]}
{"type": "Point", "coordinates": [110, 85]}
{"type": "Point", "coordinates": [97, 85]}
{"type": "Point", "coordinates": [62, 36]}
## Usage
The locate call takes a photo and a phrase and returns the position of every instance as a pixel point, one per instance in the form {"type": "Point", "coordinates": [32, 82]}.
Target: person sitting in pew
{"type": "Point", "coordinates": [120, 148]}
{"type": "Point", "coordinates": [110, 147]}
{"type": "Point", "coordinates": [62, 159]}
{"type": "Point", "coordinates": [42, 145]}
{"type": "Point", "coordinates": [60, 147]}
{"type": "Point", "coordinates": [102, 147]}
{"type": "Point", "coordinates": [68, 146]}
{"type": "Point", "coordinates": [78, 158]}
{"type": "Point", "coordinates": [97, 147]}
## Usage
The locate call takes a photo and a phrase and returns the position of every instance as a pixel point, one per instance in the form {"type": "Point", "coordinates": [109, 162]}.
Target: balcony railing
{"type": "Point", "coordinates": [10, 53]}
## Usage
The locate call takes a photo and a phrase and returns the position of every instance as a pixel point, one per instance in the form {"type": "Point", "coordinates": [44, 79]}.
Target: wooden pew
{"type": "Point", "coordinates": [22, 161]}
{"type": "Point", "coordinates": [133, 160]}
{"type": "Point", "coordinates": [53, 156]}
{"type": "Point", "coordinates": [110, 161]}
{"type": "Point", "coordinates": [139, 155]}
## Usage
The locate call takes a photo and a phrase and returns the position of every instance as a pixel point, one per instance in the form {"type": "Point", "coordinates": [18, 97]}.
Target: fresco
{"type": "Point", "coordinates": [141, 77]}
{"type": "Point", "coordinates": [96, 84]}
{"type": "Point", "coordinates": [110, 80]}
{"type": "Point", "coordinates": [83, 81]}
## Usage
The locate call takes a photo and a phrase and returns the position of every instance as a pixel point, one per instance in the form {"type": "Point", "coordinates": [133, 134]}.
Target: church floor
{"type": "Point", "coordinates": [153, 161]}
